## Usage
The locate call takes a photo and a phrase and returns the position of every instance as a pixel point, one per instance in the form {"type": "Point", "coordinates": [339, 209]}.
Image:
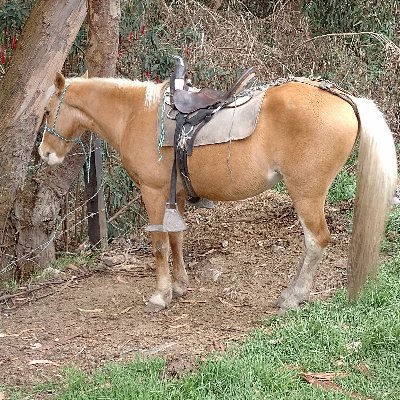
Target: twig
{"type": "Point", "coordinates": [379, 36]}
{"type": "Point", "coordinates": [123, 209]}
{"type": "Point", "coordinates": [47, 285]}
{"type": "Point", "coordinates": [193, 301]}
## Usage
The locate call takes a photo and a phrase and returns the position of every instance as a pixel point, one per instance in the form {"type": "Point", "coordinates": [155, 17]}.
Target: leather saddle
{"type": "Point", "coordinates": [187, 101]}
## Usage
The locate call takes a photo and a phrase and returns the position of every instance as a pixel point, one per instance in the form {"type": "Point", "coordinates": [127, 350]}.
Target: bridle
{"type": "Point", "coordinates": [52, 130]}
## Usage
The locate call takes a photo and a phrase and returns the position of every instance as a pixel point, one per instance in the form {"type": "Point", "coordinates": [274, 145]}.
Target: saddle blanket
{"type": "Point", "coordinates": [231, 123]}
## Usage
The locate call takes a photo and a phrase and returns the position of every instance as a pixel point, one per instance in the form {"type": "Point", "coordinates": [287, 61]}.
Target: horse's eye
{"type": "Point", "coordinates": [47, 113]}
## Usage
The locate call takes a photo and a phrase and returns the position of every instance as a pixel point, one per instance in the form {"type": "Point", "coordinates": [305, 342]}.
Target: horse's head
{"type": "Point", "coordinates": [62, 126]}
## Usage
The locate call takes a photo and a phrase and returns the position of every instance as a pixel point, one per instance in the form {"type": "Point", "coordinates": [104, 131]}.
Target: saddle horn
{"type": "Point", "coordinates": [177, 80]}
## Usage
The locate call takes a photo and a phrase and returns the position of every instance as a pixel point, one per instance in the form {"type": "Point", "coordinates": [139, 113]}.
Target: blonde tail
{"type": "Point", "coordinates": [376, 180]}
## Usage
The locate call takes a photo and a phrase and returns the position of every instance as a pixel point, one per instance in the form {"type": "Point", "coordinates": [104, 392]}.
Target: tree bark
{"type": "Point", "coordinates": [38, 205]}
{"type": "Point", "coordinates": [42, 48]}
{"type": "Point", "coordinates": [101, 61]}
{"type": "Point", "coordinates": [35, 214]}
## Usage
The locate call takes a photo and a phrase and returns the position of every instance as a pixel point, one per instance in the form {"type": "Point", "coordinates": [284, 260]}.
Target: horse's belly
{"type": "Point", "coordinates": [227, 178]}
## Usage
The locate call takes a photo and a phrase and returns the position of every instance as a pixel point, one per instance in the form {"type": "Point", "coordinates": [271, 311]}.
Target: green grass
{"type": "Point", "coordinates": [87, 260]}
{"type": "Point", "coordinates": [391, 243]}
{"type": "Point", "coordinates": [322, 337]}
{"type": "Point", "coordinates": [343, 187]}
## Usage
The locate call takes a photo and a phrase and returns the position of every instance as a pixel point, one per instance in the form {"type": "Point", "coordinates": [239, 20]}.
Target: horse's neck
{"type": "Point", "coordinates": [107, 108]}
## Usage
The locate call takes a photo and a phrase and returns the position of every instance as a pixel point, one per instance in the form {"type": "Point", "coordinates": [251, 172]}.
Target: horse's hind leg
{"type": "Point", "coordinates": [316, 238]}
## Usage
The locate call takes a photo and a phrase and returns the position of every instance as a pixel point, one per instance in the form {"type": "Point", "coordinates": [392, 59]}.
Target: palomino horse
{"type": "Point", "coordinates": [303, 135]}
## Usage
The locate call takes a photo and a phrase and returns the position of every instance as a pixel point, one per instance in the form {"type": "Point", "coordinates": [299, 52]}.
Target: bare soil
{"type": "Point", "coordinates": [239, 256]}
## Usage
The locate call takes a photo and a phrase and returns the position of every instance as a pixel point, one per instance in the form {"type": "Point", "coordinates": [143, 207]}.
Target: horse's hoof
{"type": "Point", "coordinates": [287, 303]}
{"type": "Point", "coordinates": [281, 311]}
{"type": "Point", "coordinates": [178, 290]}
{"type": "Point", "coordinates": [280, 301]}
{"type": "Point", "coordinates": [156, 304]}
{"type": "Point", "coordinates": [284, 296]}
{"type": "Point", "coordinates": [154, 308]}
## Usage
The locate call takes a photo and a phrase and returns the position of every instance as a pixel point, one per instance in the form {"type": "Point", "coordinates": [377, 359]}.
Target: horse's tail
{"type": "Point", "coordinates": [376, 180]}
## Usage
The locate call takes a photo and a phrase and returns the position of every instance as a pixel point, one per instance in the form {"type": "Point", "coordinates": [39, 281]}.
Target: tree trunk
{"type": "Point", "coordinates": [101, 60]}
{"type": "Point", "coordinates": [39, 202]}
{"type": "Point", "coordinates": [42, 48]}
{"type": "Point", "coordinates": [35, 214]}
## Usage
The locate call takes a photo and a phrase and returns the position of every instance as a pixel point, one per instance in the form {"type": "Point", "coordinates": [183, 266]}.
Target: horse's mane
{"type": "Point", "coordinates": [152, 89]}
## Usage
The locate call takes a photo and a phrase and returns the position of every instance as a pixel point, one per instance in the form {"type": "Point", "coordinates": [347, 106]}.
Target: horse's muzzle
{"type": "Point", "coordinates": [49, 157]}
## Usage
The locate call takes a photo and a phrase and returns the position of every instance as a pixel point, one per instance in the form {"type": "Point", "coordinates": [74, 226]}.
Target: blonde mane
{"type": "Point", "coordinates": [153, 90]}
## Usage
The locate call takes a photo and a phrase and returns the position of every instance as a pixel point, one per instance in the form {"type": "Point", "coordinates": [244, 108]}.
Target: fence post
{"type": "Point", "coordinates": [97, 224]}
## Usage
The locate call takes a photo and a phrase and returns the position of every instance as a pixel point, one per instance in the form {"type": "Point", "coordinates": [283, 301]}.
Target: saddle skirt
{"type": "Point", "coordinates": [234, 122]}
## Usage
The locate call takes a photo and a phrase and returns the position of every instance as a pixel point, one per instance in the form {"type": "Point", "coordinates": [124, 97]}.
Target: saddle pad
{"type": "Point", "coordinates": [233, 123]}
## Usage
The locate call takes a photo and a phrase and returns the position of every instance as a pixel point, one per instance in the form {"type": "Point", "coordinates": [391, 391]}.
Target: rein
{"type": "Point", "coordinates": [52, 130]}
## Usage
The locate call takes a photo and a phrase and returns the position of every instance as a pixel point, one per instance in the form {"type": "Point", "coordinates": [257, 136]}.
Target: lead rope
{"type": "Point", "coordinates": [161, 138]}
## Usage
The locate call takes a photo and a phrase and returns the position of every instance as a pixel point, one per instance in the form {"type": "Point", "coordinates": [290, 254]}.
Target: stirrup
{"type": "Point", "coordinates": [173, 221]}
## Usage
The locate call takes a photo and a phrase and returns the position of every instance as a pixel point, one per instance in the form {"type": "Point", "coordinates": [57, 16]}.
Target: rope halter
{"type": "Point", "coordinates": [52, 130]}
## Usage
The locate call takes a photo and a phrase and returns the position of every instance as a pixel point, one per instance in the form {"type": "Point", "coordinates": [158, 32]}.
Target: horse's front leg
{"type": "Point", "coordinates": [179, 276]}
{"type": "Point", "coordinates": [180, 279]}
{"type": "Point", "coordinates": [154, 201]}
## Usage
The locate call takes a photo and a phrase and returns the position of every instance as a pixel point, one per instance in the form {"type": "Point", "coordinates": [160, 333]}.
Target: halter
{"type": "Point", "coordinates": [52, 130]}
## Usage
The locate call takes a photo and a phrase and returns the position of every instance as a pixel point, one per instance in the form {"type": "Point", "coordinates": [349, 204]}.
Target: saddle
{"type": "Point", "coordinates": [188, 101]}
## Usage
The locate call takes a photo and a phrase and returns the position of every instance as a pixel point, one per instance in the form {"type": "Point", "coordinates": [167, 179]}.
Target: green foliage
{"type": "Point", "coordinates": [12, 18]}
{"type": "Point", "coordinates": [393, 224]}
{"type": "Point", "coordinates": [343, 187]}
{"type": "Point", "coordinates": [145, 42]}
{"type": "Point", "coordinates": [119, 191]}
{"type": "Point", "coordinates": [391, 242]}
{"type": "Point", "coordinates": [13, 14]}
{"type": "Point", "coordinates": [352, 16]}
{"type": "Point", "coordinates": [78, 260]}
{"type": "Point", "coordinates": [369, 52]}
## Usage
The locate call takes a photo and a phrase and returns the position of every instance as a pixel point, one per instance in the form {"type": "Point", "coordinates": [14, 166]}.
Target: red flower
{"type": "Point", "coordinates": [187, 52]}
{"type": "Point", "coordinates": [142, 29]}
{"type": "Point", "coordinates": [148, 75]}
{"type": "Point", "coordinates": [2, 57]}
{"type": "Point", "coordinates": [14, 42]}
{"type": "Point", "coordinates": [130, 37]}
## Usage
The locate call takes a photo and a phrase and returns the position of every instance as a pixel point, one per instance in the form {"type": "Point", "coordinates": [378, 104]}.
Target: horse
{"type": "Point", "coordinates": [303, 136]}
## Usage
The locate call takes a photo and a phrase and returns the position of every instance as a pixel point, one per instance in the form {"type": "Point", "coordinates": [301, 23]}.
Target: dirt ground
{"type": "Point", "coordinates": [239, 256]}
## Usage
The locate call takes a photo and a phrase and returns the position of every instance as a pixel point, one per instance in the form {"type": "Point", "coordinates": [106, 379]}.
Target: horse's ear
{"type": "Point", "coordinates": [59, 82]}
{"type": "Point", "coordinates": [85, 75]}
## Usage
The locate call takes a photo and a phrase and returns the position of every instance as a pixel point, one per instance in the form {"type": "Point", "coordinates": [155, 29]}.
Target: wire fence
{"type": "Point", "coordinates": [73, 217]}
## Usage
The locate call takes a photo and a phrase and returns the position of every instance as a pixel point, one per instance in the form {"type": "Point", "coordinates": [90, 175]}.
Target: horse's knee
{"type": "Point", "coordinates": [316, 235]}
{"type": "Point", "coordinates": [160, 248]}
{"type": "Point", "coordinates": [323, 238]}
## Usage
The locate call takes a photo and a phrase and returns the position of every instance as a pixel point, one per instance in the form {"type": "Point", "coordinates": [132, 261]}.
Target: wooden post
{"type": "Point", "coordinates": [97, 224]}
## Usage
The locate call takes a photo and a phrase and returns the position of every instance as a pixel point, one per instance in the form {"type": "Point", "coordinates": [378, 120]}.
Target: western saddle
{"type": "Point", "coordinates": [187, 101]}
